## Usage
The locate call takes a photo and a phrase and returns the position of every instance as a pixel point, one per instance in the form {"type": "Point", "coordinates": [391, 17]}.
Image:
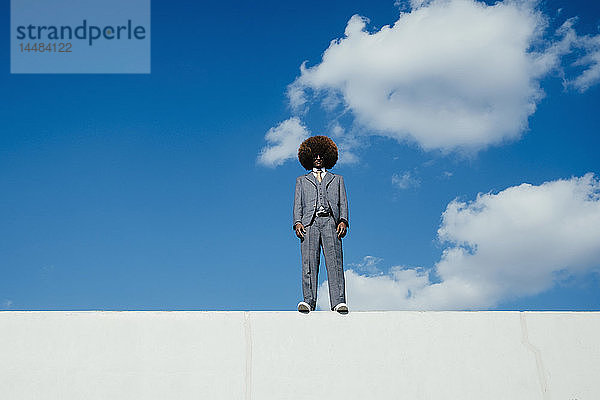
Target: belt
{"type": "Point", "coordinates": [323, 213]}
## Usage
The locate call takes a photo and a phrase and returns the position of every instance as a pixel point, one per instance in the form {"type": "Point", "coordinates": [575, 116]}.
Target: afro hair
{"type": "Point", "coordinates": [318, 145]}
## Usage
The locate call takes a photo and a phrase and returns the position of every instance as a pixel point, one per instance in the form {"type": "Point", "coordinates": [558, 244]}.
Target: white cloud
{"type": "Point", "coordinates": [519, 242]}
{"type": "Point", "coordinates": [296, 97]}
{"type": "Point", "coordinates": [369, 264]}
{"type": "Point", "coordinates": [6, 304]}
{"type": "Point", "coordinates": [405, 181]}
{"type": "Point", "coordinates": [346, 144]}
{"type": "Point", "coordinates": [590, 59]}
{"type": "Point", "coordinates": [452, 75]}
{"type": "Point", "coordinates": [449, 74]}
{"type": "Point", "coordinates": [284, 140]}
{"type": "Point", "coordinates": [418, 3]}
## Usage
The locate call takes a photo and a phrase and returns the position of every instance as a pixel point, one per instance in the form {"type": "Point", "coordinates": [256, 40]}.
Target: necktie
{"type": "Point", "coordinates": [319, 176]}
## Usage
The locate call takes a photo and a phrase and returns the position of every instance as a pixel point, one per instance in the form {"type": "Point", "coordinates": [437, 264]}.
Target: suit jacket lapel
{"type": "Point", "coordinates": [311, 178]}
{"type": "Point", "coordinates": [328, 178]}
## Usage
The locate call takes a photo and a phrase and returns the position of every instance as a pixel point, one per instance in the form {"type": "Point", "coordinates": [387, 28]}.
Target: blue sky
{"type": "Point", "coordinates": [145, 192]}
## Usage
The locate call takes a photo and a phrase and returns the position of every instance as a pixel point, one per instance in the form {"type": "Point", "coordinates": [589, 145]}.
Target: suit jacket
{"type": "Point", "coordinates": [305, 198]}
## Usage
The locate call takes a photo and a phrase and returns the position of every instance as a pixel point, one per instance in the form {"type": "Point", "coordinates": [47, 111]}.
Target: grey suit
{"type": "Point", "coordinates": [321, 233]}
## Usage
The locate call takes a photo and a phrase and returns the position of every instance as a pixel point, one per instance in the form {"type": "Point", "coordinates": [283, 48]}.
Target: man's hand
{"type": "Point", "coordinates": [300, 231]}
{"type": "Point", "coordinates": [341, 229]}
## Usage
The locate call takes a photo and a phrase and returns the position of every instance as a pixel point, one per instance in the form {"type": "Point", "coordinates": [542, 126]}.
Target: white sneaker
{"type": "Point", "coordinates": [303, 307]}
{"type": "Point", "coordinates": [341, 308]}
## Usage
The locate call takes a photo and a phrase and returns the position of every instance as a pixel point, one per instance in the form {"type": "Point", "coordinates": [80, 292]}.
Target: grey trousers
{"type": "Point", "coordinates": [321, 234]}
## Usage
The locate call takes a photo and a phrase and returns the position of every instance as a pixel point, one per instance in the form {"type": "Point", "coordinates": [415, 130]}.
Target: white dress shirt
{"type": "Point", "coordinates": [323, 172]}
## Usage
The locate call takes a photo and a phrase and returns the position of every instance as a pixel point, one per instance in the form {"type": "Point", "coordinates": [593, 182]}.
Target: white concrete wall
{"type": "Point", "coordinates": [288, 355]}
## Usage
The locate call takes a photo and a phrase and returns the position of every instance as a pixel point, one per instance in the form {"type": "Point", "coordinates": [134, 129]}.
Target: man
{"type": "Point", "coordinates": [321, 221]}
